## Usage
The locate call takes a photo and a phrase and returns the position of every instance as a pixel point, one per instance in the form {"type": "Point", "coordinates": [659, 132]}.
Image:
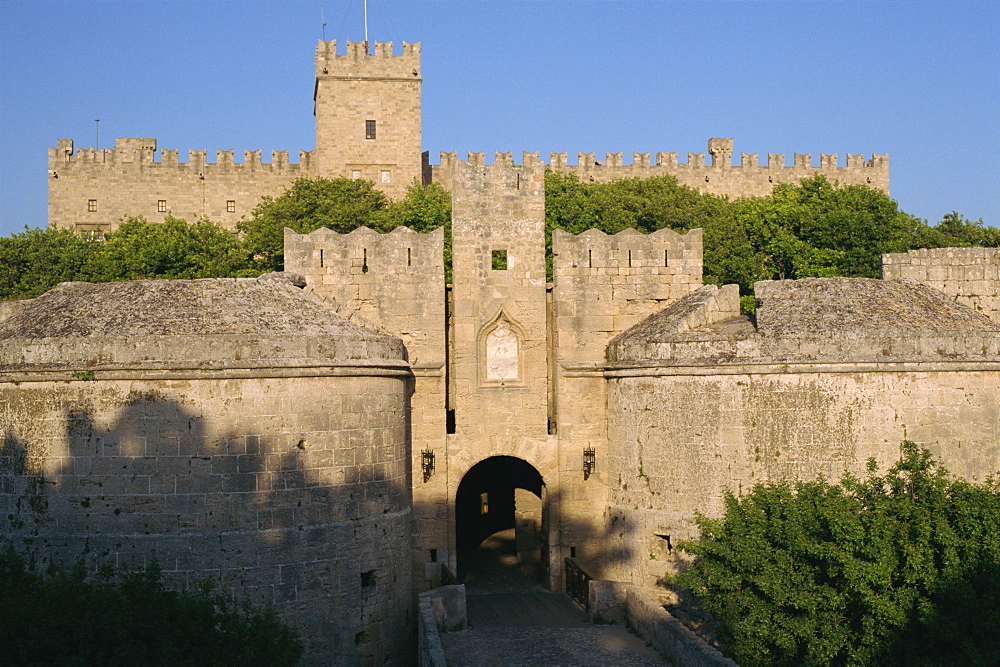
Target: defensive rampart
{"type": "Point", "coordinates": [721, 177]}
{"type": "Point", "coordinates": [970, 275]}
{"type": "Point", "coordinates": [834, 371]}
{"type": "Point", "coordinates": [235, 431]}
{"type": "Point", "coordinates": [92, 190]}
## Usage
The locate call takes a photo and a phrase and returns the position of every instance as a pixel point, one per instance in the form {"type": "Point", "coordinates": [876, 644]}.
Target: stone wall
{"type": "Point", "coordinates": [725, 406]}
{"type": "Point", "coordinates": [971, 275]}
{"type": "Point", "coordinates": [291, 492]}
{"type": "Point", "coordinates": [92, 190]}
{"type": "Point", "coordinates": [368, 114]}
{"type": "Point", "coordinates": [721, 177]}
{"type": "Point", "coordinates": [602, 285]}
{"type": "Point", "coordinates": [136, 429]}
{"type": "Point", "coordinates": [396, 281]}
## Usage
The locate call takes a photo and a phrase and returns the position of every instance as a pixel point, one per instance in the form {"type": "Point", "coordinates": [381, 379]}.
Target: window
{"type": "Point", "coordinates": [90, 231]}
{"type": "Point", "coordinates": [369, 129]}
{"type": "Point", "coordinates": [231, 206]}
{"type": "Point", "coordinates": [92, 205]}
{"type": "Point", "coordinates": [385, 177]}
{"type": "Point", "coordinates": [356, 174]}
{"type": "Point", "coordinates": [499, 260]}
{"type": "Point", "coordinates": [161, 206]}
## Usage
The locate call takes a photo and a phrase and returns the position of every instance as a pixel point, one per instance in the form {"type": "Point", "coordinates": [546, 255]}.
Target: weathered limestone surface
{"type": "Point", "coordinates": [232, 430]}
{"type": "Point", "coordinates": [354, 88]}
{"type": "Point", "coordinates": [721, 177]}
{"type": "Point", "coordinates": [835, 371]}
{"type": "Point", "coordinates": [396, 281]}
{"type": "Point", "coordinates": [368, 125]}
{"type": "Point", "coordinates": [969, 275]}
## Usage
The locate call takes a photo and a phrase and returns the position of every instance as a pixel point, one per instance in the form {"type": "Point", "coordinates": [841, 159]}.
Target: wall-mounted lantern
{"type": "Point", "coordinates": [427, 463]}
{"type": "Point", "coordinates": [589, 461]}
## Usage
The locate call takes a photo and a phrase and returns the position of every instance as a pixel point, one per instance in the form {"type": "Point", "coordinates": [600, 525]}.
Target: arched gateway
{"type": "Point", "coordinates": [497, 494]}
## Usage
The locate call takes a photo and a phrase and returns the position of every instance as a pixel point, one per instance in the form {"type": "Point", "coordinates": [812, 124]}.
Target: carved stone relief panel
{"type": "Point", "coordinates": [502, 353]}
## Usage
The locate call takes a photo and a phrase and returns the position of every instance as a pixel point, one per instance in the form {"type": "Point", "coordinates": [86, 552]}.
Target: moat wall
{"type": "Point", "coordinates": [276, 468]}
{"type": "Point", "coordinates": [723, 405]}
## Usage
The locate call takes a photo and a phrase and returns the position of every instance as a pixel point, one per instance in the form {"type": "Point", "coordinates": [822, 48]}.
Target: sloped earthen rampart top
{"type": "Point", "coordinates": [905, 306]}
{"type": "Point", "coordinates": [226, 322]}
{"type": "Point", "coordinates": [814, 320]}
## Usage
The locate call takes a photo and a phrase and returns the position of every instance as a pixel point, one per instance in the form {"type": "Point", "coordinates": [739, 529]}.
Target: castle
{"type": "Point", "coordinates": [334, 439]}
{"type": "Point", "coordinates": [368, 125]}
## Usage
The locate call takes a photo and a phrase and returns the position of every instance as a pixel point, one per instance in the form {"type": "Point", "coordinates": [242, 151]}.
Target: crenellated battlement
{"type": "Point", "coordinates": [93, 189]}
{"type": "Point", "coordinates": [143, 151]}
{"type": "Point", "coordinates": [657, 252]}
{"type": "Point", "coordinates": [355, 63]}
{"type": "Point", "coordinates": [559, 161]}
{"type": "Point", "coordinates": [717, 176]}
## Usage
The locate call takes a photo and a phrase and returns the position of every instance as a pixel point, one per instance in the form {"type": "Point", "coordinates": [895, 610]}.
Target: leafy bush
{"type": "Point", "coordinates": [901, 568]}
{"type": "Point", "coordinates": [72, 617]}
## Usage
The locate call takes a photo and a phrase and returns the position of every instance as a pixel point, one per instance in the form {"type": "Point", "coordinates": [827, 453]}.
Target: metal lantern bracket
{"type": "Point", "coordinates": [427, 463]}
{"type": "Point", "coordinates": [589, 462]}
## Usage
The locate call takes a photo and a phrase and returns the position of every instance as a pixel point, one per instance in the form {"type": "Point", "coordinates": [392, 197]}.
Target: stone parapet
{"type": "Point", "coordinates": [970, 275]}
{"type": "Point", "coordinates": [722, 177]}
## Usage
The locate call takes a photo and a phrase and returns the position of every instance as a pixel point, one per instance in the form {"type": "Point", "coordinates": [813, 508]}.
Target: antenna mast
{"type": "Point", "coordinates": [366, 28]}
{"type": "Point", "coordinates": [322, 19]}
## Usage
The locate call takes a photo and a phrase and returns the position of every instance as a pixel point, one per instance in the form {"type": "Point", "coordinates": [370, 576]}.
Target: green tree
{"type": "Point", "coordinates": [340, 204]}
{"type": "Point", "coordinates": [73, 616]}
{"type": "Point", "coordinates": [647, 205]}
{"type": "Point", "coordinates": [172, 249]}
{"type": "Point", "coordinates": [817, 229]}
{"type": "Point", "coordinates": [900, 568]}
{"type": "Point", "coordinates": [424, 208]}
{"type": "Point", "coordinates": [955, 231]}
{"type": "Point", "coordinates": [36, 260]}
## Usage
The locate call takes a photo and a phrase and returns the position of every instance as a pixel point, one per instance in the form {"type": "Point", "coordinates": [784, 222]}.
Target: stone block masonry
{"type": "Point", "coordinates": [92, 190]}
{"type": "Point", "coordinates": [721, 177]}
{"type": "Point", "coordinates": [969, 275]}
{"type": "Point", "coordinates": [231, 430]}
{"type": "Point", "coordinates": [368, 125]}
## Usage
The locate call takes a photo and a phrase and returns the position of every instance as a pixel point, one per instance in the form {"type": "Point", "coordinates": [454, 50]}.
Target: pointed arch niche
{"type": "Point", "coordinates": [501, 353]}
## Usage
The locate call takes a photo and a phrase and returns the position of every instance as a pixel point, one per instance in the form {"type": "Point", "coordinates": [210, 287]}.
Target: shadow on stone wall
{"type": "Point", "coordinates": [314, 524]}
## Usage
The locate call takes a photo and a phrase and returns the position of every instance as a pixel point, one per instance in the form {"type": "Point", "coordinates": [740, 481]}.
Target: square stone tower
{"type": "Point", "coordinates": [368, 114]}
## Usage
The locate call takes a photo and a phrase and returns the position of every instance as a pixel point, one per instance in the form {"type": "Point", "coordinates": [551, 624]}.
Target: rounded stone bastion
{"type": "Point", "coordinates": [232, 430]}
{"type": "Point", "coordinates": [828, 373]}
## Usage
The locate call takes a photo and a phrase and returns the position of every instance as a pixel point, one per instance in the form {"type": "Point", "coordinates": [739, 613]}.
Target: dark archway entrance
{"type": "Point", "coordinates": [501, 493]}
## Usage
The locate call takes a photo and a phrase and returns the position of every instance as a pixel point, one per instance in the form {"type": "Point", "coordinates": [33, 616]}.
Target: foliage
{"type": "Point", "coordinates": [72, 617]}
{"type": "Point", "coordinates": [814, 228]}
{"type": "Point", "coordinates": [954, 231]}
{"type": "Point", "coordinates": [900, 568]}
{"type": "Point", "coordinates": [633, 203]}
{"type": "Point", "coordinates": [173, 248]}
{"type": "Point", "coordinates": [423, 209]}
{"type": "Point", "coordinates": [340, 204]}
{"type": "Point", "coordinates": [36, 260]}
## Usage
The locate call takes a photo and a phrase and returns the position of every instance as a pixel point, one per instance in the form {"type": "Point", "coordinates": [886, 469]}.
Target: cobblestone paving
{"type": "Point", "coordinates": [515, 621]}
{"type": "Point", "coordinates": [591, 645]}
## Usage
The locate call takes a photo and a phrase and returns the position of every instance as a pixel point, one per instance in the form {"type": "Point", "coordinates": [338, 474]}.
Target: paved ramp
{"type": "Point", "coordinates": [520, 623]}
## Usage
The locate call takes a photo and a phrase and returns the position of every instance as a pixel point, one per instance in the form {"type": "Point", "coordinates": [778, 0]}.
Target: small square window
{"type": "Point", "coordinates": [369, 129]}
{"type": "Point", "coordinates": [499, 260]}
{"type": "Point", "coordinates": [385, 177]}
{"type": "Point", "coordinates": [355, 174]}
{"type": "Point", "coordinates": [161, 206]}
{"type": "Point", "coordinates": [231, 206]}
{"type": "Point", "coordinates": [92, 205]}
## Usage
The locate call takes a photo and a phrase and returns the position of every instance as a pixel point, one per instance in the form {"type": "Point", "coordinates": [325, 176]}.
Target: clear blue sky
{"type": "Point", "coordinates": [917, 80]}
